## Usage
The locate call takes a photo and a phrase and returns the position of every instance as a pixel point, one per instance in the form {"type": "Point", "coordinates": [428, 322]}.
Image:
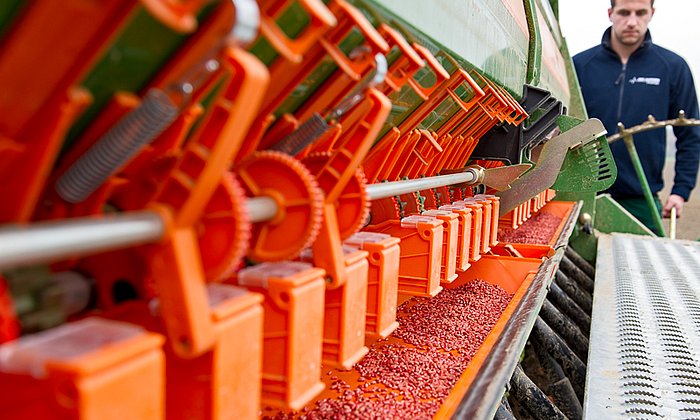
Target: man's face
{"type": "Point", "coordinates": [630, 19]}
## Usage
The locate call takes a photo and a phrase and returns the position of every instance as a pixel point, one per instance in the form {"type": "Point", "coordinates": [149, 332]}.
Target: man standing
{"type": "Point", "coordinates": [627, 78]}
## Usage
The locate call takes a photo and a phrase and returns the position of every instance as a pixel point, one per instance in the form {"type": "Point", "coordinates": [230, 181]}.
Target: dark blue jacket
{"type": "Point", "coordinates": [655, 81]}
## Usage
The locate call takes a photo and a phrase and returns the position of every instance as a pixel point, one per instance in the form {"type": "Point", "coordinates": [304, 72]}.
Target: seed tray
{"type": "Point", "coordinates": [512, 274]}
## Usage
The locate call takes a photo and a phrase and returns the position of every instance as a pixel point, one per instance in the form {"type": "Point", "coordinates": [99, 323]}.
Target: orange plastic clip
{"type": "Point", "coordinates": [344, 315]}
{"type": "Point", "coordinates": [487, 212]}
{"type": "Point", "coordinates": [179, 15]}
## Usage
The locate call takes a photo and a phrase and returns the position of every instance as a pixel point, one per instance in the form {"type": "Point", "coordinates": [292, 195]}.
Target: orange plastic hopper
{"type": "Point", "coordinates": [293, 330]}
{"type": "Point", "coordinates": [344, 318]}
{"type": "Point", "coordinates": [382, 281]}
{"type": "Point", "coordinates": [464, 233]}
{"type": "Point", "coordinates": [450, 225]}
{"type": "Point", "coordinates": [92, 369]}
{"type": "Point", "coordinates": [421, 253]}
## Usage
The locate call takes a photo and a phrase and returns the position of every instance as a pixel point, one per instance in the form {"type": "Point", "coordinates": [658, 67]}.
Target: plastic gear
{"type": "Point", "coordinates": [384, 209]}
{"type": "Point", "coordinates": [410, 204]}
{"type": "Point", "coordinates": [442, 196]}
{"type": "Point", "coordinates": [429, 199]}
{"type": "Point", "coordinates": [300, 201]}
{"type": "Point", "coordinates": [353, 204]}
{"type": "Point", "coordinates": [224, 230]}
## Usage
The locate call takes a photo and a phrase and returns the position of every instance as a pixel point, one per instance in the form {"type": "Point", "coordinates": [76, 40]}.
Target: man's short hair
{"type": "Point", "coordinates": [612, 3]}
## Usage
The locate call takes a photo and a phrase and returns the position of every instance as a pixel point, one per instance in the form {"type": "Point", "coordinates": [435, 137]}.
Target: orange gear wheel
{"type": "Point", "coordinates": [224, 230]}
{"type": "Point", "coordinates": [352, 207]}
{"type": "Point", "coordinates": [443, 196]}
{"type": "Point", "coordinates": [429, 199]}
{"type": "Point", "coordinates": [410, 204]}
{"type": "Point", "coordinates": [384, 209]}
{"type": "Point", "coordinates": [298, 198]}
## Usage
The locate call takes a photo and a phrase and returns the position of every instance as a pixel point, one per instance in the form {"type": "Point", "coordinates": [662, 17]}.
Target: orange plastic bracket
{"type": "Point", "coordinates": [179, 15]}
{"type": "Point", "coordinates": [344, 316]}
{"type": "Point", "coordinates": [440, 73]}
{"type": "Point", "coordinates": [334, 175]}
{"type": "Point", "coordinates": [81, 367]}
{"type": "Point", "coordinates": [26, 165]}
{"type": "Point", "coordinates": [464, 215]}
{"type": "Point", "coordinates": [293, 330]}
{"type": "Point", "coordinates": [204, 387]}
{"type": "Point", "coordinates": [450, 240]}
{"type": "Point", "coordinates": [475, 243]}
{"type": "Point", "coordinates": [176, 265]}
{"type": "Point", "coordinates": [382, 281]}
{"type": "Point", "coordinates": [421, 253]}
{"type": "Point", "coordinates": [405, 65]}
{"type": "Point", "coordinates": [487, 213]}
{"type": "Point", "coordinates": [321, 20]}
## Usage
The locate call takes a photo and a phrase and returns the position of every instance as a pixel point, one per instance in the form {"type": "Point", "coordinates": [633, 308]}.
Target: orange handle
{"type": "Point", "coordinates": [440, 73]}
{"type": "Point", "coordinates": [293, 49]}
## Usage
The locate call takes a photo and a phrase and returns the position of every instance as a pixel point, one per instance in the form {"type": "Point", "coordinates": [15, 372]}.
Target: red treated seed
{"type": "Point", "coordinates": [537, 230]}
{"type": "Point", "coordinates": [399, 382]}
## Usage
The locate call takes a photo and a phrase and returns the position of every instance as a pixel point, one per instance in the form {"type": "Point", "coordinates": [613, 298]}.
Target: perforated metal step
{"type": "Point", "coordinates": [644, 355]}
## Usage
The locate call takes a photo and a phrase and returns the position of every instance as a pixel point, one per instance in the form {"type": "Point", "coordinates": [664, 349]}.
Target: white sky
{"type": "Point", "coordinates": [675, 25]}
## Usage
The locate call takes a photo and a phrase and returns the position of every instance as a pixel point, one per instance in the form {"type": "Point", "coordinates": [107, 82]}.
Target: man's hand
{"type": "Point", "coordinates": [676, 201]}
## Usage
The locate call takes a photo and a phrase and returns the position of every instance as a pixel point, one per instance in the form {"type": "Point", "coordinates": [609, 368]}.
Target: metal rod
{"type": "Point", "coordinates": [261, 208]}
{"type": "Point", "coordinates": [637, 163]}
{"type": "Point", "coordinates": [566, 305]}
{"type": "Point", "coordinates": [390, 189]}
{"type": "Point", "coordinates": [575, 273]}
{"type": "Point", "coordinates": [580, 296]}
{"type": "Point", "coordinates": [531, 397]}
{"type": "Point", "coordinates": [566, 329]}
{"type": "Point", "coordinates": [673, 223]}
{"type": "Point", "coordinates": [580, 262]}
{"type": "Point", "coordinates": [652, 124]}
{"type": "Point", "coordinates": [574, 368]}
{"type": "Point", "coordinates": [51, 241]}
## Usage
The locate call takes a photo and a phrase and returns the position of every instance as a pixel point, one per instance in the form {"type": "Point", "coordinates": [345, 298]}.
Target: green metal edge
{"type": "Point", "coordinates": [534, 56]}
{"type": "Point", "coordinates": [612, 217]}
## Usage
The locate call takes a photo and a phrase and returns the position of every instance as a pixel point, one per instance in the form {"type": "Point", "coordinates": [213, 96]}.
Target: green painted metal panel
{"type": "Point", "coordinates": [553, 75]}
{"type": "Point", "coordinates": [484, 33]}
{"type": "Point", "coordinates": [137, 54]}
{"type": "Point", "coordinates": [612, 217]}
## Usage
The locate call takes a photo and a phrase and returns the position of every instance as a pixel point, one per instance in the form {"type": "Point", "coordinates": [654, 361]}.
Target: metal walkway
{"type": "Point", "coordinates": [644, 354]}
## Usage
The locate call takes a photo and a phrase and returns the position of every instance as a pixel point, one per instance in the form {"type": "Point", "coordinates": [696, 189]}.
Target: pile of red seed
{"type": "Point", "coordinates": [537, 230]}
{"type": "Point", "coordinates": [399, 382]}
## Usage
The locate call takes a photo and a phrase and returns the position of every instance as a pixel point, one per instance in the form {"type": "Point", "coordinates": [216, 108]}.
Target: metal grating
{"type": "Point", "coordinates": [644, 354]}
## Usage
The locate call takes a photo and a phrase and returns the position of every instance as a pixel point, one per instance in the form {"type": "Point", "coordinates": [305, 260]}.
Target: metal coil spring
{"type": "Point", "coordinates": [116, 147]}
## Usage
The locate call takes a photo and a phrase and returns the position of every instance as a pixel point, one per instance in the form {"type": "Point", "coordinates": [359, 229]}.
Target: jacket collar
{"type": "Point", "coordinates": [605, 41]}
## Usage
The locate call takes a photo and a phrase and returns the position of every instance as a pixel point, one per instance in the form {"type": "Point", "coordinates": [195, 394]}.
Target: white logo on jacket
{"type": "Point", "coordinates": [653, 81]}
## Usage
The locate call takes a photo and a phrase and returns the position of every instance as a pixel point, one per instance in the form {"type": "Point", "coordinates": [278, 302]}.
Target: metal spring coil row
{"type": "Point", "coordinates": [116, 147]}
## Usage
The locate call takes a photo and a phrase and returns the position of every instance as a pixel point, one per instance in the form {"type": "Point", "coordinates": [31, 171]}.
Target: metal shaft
{"type": "Point", "coordinates": [390, 189]}
{"type": "Point", "coordinates": [55, 240]}
{"type": "Point", "coordinates": [52, 241]}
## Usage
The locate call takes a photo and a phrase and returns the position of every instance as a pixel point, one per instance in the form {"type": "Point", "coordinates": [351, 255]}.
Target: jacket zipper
{"type": "Point", "coordinates": [621, 81]}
